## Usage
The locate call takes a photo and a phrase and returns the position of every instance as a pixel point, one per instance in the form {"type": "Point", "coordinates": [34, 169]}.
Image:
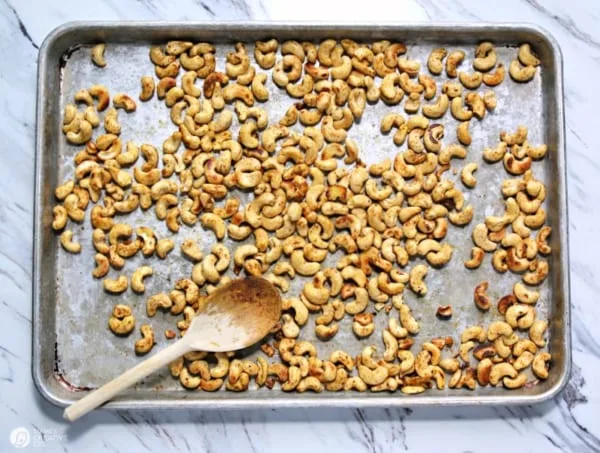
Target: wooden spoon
{"type": "Point", "coordinates": [236, 316]}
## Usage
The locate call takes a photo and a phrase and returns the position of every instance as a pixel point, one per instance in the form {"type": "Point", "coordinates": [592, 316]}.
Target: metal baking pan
{"type": "Point", "coordinates": [72, 349]}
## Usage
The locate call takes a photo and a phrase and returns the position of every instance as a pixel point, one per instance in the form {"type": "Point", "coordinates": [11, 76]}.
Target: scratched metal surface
{"type": "Point", "coordinates": [73, 347]}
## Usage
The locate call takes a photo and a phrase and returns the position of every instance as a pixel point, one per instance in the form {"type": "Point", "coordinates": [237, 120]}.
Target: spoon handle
{"type": "Point", "coordinates": [127, 379]}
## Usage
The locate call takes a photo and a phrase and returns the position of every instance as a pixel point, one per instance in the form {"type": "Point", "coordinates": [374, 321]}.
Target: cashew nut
{"type": "Point", "coordinates": [137, 278]}
{"type": "Point", "coordinates": [66, 240]}
{"type": "Point", "coordinates": [454, 59]}
{"type": "Point", "coordinates": [116, 286]}
{"type": "Point", "coordinates": [466, 175]}
{"type": "Point", "coordinates": [122, 321]}
{"type": "Point", "coordinates": [540, 365]}
{"type": "Point", "coordinates": [482, 301]}
{"type": "Point", "coordinates": [521, 73]}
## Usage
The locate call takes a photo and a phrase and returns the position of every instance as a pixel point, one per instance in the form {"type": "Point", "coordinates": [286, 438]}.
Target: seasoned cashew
{"type": "Point", "coordinates": [98, 55]}
{"type": "Point", "coordinates": [330, 133]}
{"type": "Point", "coordinates": [417, 273]}
{"type": "Point", "coordinates": [521, 316]}
{"type": "Point", "coordinates": [116, 286]}
{"type": "Point", "coordinates": [516, 166]}
{"type": "Point", "coordinates": [438, 108]}
{"type": "Point", "coordinates": [466, 175]}
{"type": "Point", "coordinates": [525, 295]}
{"type": "Point", "coordinates": [82, 136]}
{"type": "Point", "coordinates": [66, 240]}
{"type": "Point", "coordinates": [454, 59]}
{"type": "Point", "coordinates": [521, 73]}
{"type": "Point", "coordinates": [540, 365]}
{"type": "Point", "coordinates": [191, 250]}
{"type": "Point", "coordinates": [434, 61]}
{"type": "Point", "coordinates": [144, 345]}
{"type": "Point", "coordinates": [527, 56]}
{"type": "Point", "coordinates": [122, 321]}
{"type": "Point", "coordinates": [163, 247]}
{"type": "Point", "coordinates": [500, 371]}
{"type": "Point", "coordinates": [495, 154]}
{"type": "Point", "coordinates": [123, 101]}
{"type": "Point", "coordinates": [463, 134]}
{"type": "Point", "coordinates": [363, 325]}
{"type": "Point", "coordinates": [471, 81]}
{"type": "Point", "coordinates": [410, 67]}
{"type": "Point", "coordinates": [458, 111]}
{"type": "Point", "coordinates": [407, 320]}
{"type": "Point", "coordinates": [482, 301]}
{"type": "Point", "coordinates": [214, 223]}
{"type": "Point", "coordinates": [485, 57]}
{"type": "Point", "coordinates": [138, 276]}
{"type": "Point", "coordinates": [147, 88]}
{"type": "Point", "coordinates": [480, 238]}
{"type": "Point", "coordinates": [542, 240]}
{"type": "Point", "coordinates": [390, 91]}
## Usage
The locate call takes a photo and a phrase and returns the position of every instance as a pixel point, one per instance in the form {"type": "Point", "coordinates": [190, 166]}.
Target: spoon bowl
{"type": "Point", "coordinates": [235, 316]}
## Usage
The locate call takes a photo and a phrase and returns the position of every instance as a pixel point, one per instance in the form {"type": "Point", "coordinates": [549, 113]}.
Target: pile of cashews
{"type": "Point", "coordinates": [306, 206]}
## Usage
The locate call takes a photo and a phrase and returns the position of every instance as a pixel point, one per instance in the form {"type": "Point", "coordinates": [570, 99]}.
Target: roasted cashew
{"type": "Point", "coordinates": [527, 56]}
{"type": "Point", "coordinates": [500, 371]}
{"type": "Point", "coordinates": [82, 136]}
{"type": "Point", "coordinates": [434, 61]}
{"type": "Point", "coordinates": [480, 238]}
{"type": "Point", "coordinates": [122, 321]}
{"type": "Point", "coordinates": [123, 101]}
{"type": "Point", "coordinates": [144, 345]}
{"type": "Point", "coordinates": [163, 247]}
{"type": "Point", "coordinates": [265, 53]}
{"type": "Point", "coordinates": [395, 120]}
{"type": "Point", "coordinates": [471, 81]}
{"type": "Point", "coordinates": [363, 325]}
{"type": "Point", "coordinates": [410, 67]}
{"type": "Point", "coordinates": [454, 59]}
{"type": "Point", "coordinates": [489, 100]}
{"type": "Point", "coordinates": [521, 316]}
{"type": "Point", "coordinates": [539, 365]}
{"type": "Point", "coordinates": [214, 223]}
{"type": "Point", "coordinates": [538, 274]}
{"type": "Point", "coordinates": [301, 266]}
{"type": "Point", "coordinates": [111, 123]}
{"type": "Point", "coordinates": [495, 154]}
{"type": "Point", "coordinates": [437, 109]}
{"type": "Point", "coordinates": [466, 175]}
{"type": "Point", "coordinates": [98, 55]}
{"type": "Point", "coordinates": [521, 73]}
{"type": "Point", "coordinates": [66, 240]}
{"type": "Point", "coordinates": [148, 240]}
{"type": "Point", "coordinates": [138, 276]}
{"type": "Point", "coordinates": [450, 152]}
{"type": "Point", "coordinates": [477, 255]}
{"type": "Point", "coordinates": [485, 57]}
{"type": "Point", "coordinates": [116, 286]}
{"type": "Point", "coordinates": [406, 318]}
{"type": "Point", "coordinates": [171, 70]}
{"type": "Point", "coordinates": [390, 91]}
{"type": "Point", "coordinates": [482, 301]}
{"type": "Point", "coordinates": [147, 88]}
{"type": "Point", "coordinates": [515, 166]}
{"type": "Point", "coordinates": [459, 112]}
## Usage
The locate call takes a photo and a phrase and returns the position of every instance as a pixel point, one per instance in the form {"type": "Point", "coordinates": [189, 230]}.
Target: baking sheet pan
{"type": "Point", "coordinates": [74, 351]}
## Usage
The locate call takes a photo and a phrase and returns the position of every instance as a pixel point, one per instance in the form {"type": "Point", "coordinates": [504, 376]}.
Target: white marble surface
{"type": "Point", "coordinates": [569, 423]}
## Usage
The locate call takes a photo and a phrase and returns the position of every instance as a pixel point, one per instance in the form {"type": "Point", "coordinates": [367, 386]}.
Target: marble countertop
{"type": "Point", "coordinates": [570, 422]}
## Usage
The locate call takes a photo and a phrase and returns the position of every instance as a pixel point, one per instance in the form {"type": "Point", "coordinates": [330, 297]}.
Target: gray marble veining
{"type": "Point", "coordinates": [568, 423]}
